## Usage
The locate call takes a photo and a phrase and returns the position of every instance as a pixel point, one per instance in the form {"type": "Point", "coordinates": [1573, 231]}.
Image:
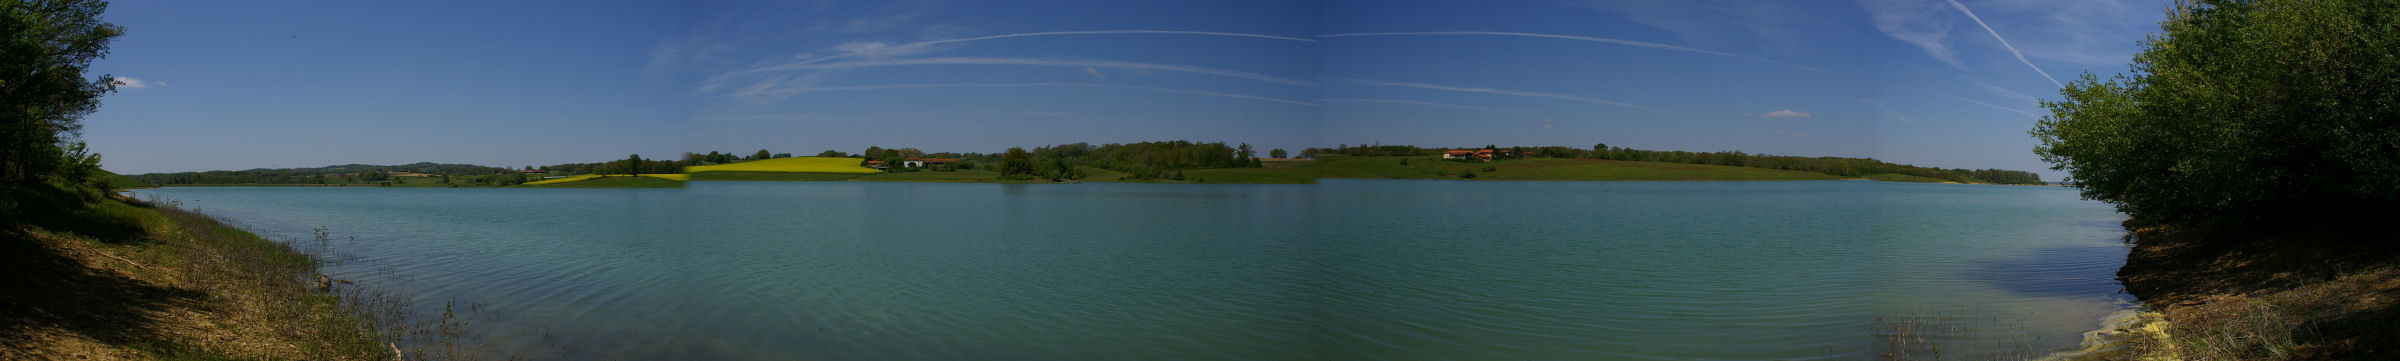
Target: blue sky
{"type": "Point", "coordinates": [1929, 82]}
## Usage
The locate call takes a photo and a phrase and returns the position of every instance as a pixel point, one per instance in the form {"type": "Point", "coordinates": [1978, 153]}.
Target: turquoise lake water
{"type": "Point", "coordinates": [1343, 270]}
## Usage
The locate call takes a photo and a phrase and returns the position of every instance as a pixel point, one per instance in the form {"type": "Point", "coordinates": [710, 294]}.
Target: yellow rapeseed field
{"type": "Point", "coordinates": [796, 164]}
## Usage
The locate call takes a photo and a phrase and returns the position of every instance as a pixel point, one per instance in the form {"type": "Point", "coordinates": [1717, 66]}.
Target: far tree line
{"type": "Point", "coordinates": [1165, 160]}
{"type": "Point", "coordinates": [1840, 166]}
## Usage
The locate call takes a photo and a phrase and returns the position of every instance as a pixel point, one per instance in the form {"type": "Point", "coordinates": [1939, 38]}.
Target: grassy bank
{"type": "Point", "coordinates": [797, 164]}
{"type": "Point", "coordinates": [1568, 169]}
{"type": "Point", "coordinates": [961, 176]}
{"type": "Point", "coordinates": [91, 277]}
{"type": "Point", "coordinates": [614, 181]}
{"type": "Point", "coordinates": [2301, 292]}
{"type": "Point", "coordinates": [1297, 172]}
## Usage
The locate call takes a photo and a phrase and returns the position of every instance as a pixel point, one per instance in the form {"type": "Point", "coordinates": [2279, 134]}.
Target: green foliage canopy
{"type": "Point", "coordinates": [43, 91]}
{"type": "Point", "coordinates": [2242, 111]}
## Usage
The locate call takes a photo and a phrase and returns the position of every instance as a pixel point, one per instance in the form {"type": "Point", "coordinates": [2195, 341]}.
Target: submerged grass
{"type": "Point", "coordinates": [1938, 336]}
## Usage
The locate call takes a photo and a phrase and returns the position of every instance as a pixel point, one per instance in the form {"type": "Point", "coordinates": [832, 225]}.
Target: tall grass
{"type": "Point", "coordinates": [332, 317]}
{"type": "Point", "coordinates": [2297, 323]}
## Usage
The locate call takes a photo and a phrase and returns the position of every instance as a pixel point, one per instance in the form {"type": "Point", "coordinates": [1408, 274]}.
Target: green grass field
{"type": "Point", "coordinates": [772, 176]}
{"type": "Point", "coordinates": [618, 181]}
{"type": "Point", "coordinates": [796, 164]}
{"type": "Point", "coordinates": [562, 180]}
{"type": "Point", "coordinates": [1519, 169]}
{"type": "Point", "coordinates": [971, 175]}
{"type": "Point", "coordinates": [1097, 174]}
{"type": "Point", "coordinates": [1888, 177]}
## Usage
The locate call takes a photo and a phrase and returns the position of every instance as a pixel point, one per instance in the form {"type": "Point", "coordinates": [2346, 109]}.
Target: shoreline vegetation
{"type": "Point", "coordinates": [2253, 151]}
{"type": "Point", "coordinates": [104, 276]}
{"type": "Point", "coordinates": [1145, 162]}
{"type": "Point", "coordinates": [116, 278]}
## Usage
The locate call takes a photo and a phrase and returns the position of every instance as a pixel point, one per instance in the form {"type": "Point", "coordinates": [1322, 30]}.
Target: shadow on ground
{"type": "Point", "coordinates": [2337, 283]}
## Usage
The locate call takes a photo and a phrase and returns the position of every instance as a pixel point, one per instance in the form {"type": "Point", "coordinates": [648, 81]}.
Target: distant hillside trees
{"type": "Point", "coordinates": [2242, 111]}
{"type": "Point", "coordinates": [1847, 167]}
{"type": "Point", "coordinates": [1149, 160]}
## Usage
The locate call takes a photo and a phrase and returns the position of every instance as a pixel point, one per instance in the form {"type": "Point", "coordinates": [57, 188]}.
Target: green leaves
{"type": "Point", "coordinates": [2241, 111]}
{"type": "Point", "coordinates": [43, 91]}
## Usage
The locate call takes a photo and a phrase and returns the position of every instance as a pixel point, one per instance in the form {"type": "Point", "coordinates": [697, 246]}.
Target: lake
{"type": "Point", "coordinates": [1343, 270]}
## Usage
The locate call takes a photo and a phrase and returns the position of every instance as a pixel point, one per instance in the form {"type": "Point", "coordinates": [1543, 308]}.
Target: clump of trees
{"type": "Point", "coordinates": [1144, 160]}
{"type": "Point", "coordinates": [716, 157]}
{"type": "Point", "coordinates": [2242, 111]}
{"type": "Point", "coordinates": [44, 93]}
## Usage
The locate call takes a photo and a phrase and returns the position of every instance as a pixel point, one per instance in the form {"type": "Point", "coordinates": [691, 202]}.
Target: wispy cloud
{"type": "Point", "coordinates": [1520, 93]}
{"type": "Point", "coordinates": [2087, 33]}
{"type": "Point", "coordinates": [1413, 102]}
{"type": "Point", "coordinates": [1641, 44]}
{"type": "Point", "coordinates": [1547, 123]}
{"type": "Point", "coordinates": [698, 44]}
{"type": "Point", "coordinates": [1041, 62]}
{"type": "Point", "coordinates": [1922, 23]}
{"type": "Point", "coordinates": [1964, 99]}
{"type": "Point", "coordinates": [923, 46]}
{"type": "Point", "coordinates": [869, 24]}
{"type": "Point", "coordinates": [2004, 91]}
{"type": "Point", "coordinates": [759, 84]}
{"type": "Point", "coordinates": [787, 91]}
{"type": "Point", "coordinates": [947, 113]}
{"type": "Point", "coordinates": [130, 83]}
{"type": "Point", "coordinates": [2012, 49]}
{"type": "Point", "coordinates": [1786, 113]}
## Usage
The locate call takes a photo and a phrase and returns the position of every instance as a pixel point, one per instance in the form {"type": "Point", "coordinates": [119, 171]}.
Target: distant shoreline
{"type": "Point", "coordinates": [1307, 171]}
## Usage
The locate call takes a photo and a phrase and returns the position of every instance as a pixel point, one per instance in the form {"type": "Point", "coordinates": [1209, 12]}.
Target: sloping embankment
{"type": "Point", "coordinates": [2299, 293]}
{"type": "Point", "coordinates": [117, 279]}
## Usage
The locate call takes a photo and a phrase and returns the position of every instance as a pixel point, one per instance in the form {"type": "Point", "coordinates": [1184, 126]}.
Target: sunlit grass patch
{"type": "Point", "coordinates": [797, 164]}
{"type": "Point", "coordinates": [562, 180]}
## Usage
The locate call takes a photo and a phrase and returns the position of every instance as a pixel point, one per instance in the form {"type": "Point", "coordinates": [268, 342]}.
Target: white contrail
{"type": "Point", "coordinates": [2012, 49]}
{"type": "Point", "coordinates": [973, 85]}
{"type": "Point", "coordinates": [1413, 102]}
{"type": "Point", "coordinates": [854, 116]}
{"type": "Point", "coordinates": [1964, 99]}
{"type": "Point", "coordinates": [1495, 91]}
{"type": "Point", "coordinates": [1586, 38]}
{"type": "Point", "coordinates": [1043, 62]}
{"type": "Point", "coordinates": [923, 44]}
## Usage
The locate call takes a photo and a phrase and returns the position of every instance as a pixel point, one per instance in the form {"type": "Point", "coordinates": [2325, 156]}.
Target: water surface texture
{"type": "Point", "coordinates": [1344, 270]}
